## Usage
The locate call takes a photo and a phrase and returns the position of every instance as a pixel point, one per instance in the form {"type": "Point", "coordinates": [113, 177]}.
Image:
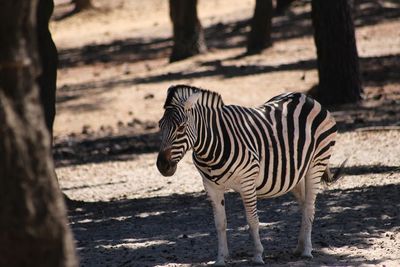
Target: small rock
{"type": "Point", "coordinates": [126, 69]}
{"type": "Point", "coordinates": [149, 96]}
{"type": "Point", "coordinates": [377, 97]}
{"type": "Point", "coordinates": [150, 126]}
{"type": "Point", "coordinates": [86, 129]}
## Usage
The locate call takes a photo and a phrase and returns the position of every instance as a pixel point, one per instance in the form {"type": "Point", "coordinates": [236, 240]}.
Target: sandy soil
{"type": "Point", "coordinates": [112, 82]}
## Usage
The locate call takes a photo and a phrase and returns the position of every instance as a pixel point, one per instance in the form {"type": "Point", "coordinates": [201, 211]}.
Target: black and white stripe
{"type": "Point", "coordinates": [283, 145]}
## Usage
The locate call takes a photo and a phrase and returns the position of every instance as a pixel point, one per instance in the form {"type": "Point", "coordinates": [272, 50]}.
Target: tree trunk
{"type": "Point", "coordinates": [188, 33]}
{"type": "Point", "coordinates": [282, 6]}
{"type": "Point", "coordinates": [48, 56]}
{"type": "Point", "coordinates": [261, 27]}
{"type": "Point", "coordinates": [82, 5]}
{"type": "Point", "coordinates": [338, 67]}
{"type": "Point", "coordinates": [33, 223]}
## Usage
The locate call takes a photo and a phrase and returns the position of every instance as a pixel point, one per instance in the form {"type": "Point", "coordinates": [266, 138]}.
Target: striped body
{"type": "Point", "coordinates": [278, 140]}
{"type": "Point", "coordinates": [282, 146]}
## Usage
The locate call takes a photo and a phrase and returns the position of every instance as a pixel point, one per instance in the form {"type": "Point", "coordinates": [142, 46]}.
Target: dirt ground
{"type": "Point", "coordinates": [112, 82]}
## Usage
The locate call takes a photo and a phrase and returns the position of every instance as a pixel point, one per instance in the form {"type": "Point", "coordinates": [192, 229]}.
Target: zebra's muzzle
{"type": "Point", "coordinates": [164, 164]}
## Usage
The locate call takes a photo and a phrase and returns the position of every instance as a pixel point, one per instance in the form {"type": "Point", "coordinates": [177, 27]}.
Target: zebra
{"type": "Point", "coordinates": [281, 146]}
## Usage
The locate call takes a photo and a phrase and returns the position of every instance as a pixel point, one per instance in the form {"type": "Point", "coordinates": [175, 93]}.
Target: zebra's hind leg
{"type": "Point", "coordinates": [249, 197]}
{"type": "Point", "coordinates": [306, 192]}
{"type": "Point", "coordinates": [216, 196]}
{"type": "Point", "coordinates": [299, 193]}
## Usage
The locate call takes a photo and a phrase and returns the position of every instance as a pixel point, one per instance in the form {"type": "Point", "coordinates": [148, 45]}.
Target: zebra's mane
{"type": "Point", "coordinates": [178, 94]}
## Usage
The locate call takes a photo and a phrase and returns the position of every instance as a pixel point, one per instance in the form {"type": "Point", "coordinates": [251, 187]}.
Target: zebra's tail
{"type": "Point", "coordinates": [329, 178]}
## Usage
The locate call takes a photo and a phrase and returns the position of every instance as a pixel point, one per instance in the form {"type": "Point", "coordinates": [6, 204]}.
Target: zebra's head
{"type": "Point", "coordinates": [177, 127]}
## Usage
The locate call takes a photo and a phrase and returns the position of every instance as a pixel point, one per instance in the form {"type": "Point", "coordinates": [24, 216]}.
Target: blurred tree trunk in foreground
{"type": "Point", "coordinates": [261, 27]}
{"type": "Point", "coordinates": [82, 5]}
{"type": "Point", "coordinates": [188, 33]}
{"type": "Point", "coordinates": [48, 56]}
{"type": "Point", "coordinates": [338, 66]}
{"type": "Point", "coordinates": [33, 223]}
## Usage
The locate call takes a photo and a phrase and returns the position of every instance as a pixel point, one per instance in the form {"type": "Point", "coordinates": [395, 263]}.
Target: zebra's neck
{"type": "Point", "coordinates": [209, 133]}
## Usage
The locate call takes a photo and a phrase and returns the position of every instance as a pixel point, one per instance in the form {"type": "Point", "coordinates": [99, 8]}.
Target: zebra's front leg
{"type": "Point", "coordinates": [249, 197]}
{"type": "Point", "coordinates": [216, 196]}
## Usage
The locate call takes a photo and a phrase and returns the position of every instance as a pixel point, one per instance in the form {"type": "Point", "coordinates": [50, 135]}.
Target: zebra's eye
{"type": "Point", "coordinates": [181, 128]}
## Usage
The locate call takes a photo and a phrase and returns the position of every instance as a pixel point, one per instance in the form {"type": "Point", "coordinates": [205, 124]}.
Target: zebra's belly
{"type": "Point", "coordinates": [263, 194]}
{"type": "Point", "coordinates": [280, 182]}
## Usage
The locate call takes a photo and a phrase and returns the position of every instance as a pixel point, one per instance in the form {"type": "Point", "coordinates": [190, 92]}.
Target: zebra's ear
{"type": "Point", "coordinates": [191, 101]}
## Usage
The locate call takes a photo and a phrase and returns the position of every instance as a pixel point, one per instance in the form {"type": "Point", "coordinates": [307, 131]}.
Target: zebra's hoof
{"type": "Point", "coordinates": [307, 255]}
{"type": "Point", "coordinates": [219, 262]}
{"type": "Point", "coordinates": [257, 260]}
{"type": "Point", "coordinates": [303, 253]}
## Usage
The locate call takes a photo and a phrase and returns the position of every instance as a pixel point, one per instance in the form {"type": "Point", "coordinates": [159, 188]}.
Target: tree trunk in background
{"type": "Point", "coordinates": [188, 33]}
{"type": "Point", "coordinates": [338, 67]}
{"type": "Point", "coordinates": [261, 27]}
{"type": "Point", "coordinates": [282, 6]}
{"type": "Point", "coordinates": [33, 223]}
{"type": "Point", "coordinates": [82, 5]}
{"type": "Point", "coordinates": [48, 56]}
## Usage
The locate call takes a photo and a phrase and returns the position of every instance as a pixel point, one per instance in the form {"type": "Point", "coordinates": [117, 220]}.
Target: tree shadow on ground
{"type": "Point", "coordinates": [368, 169]}
{"type": "Point", "coordinates": [120, 51]}
{"type": "Point", "coordinates": [180, 228]}
{"type": "Point", "coordinates": [379, 70]}
{"type": "Point", "coordinates": [374, 70]}
{"type": "Point", "coordinates": [96, 147]}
